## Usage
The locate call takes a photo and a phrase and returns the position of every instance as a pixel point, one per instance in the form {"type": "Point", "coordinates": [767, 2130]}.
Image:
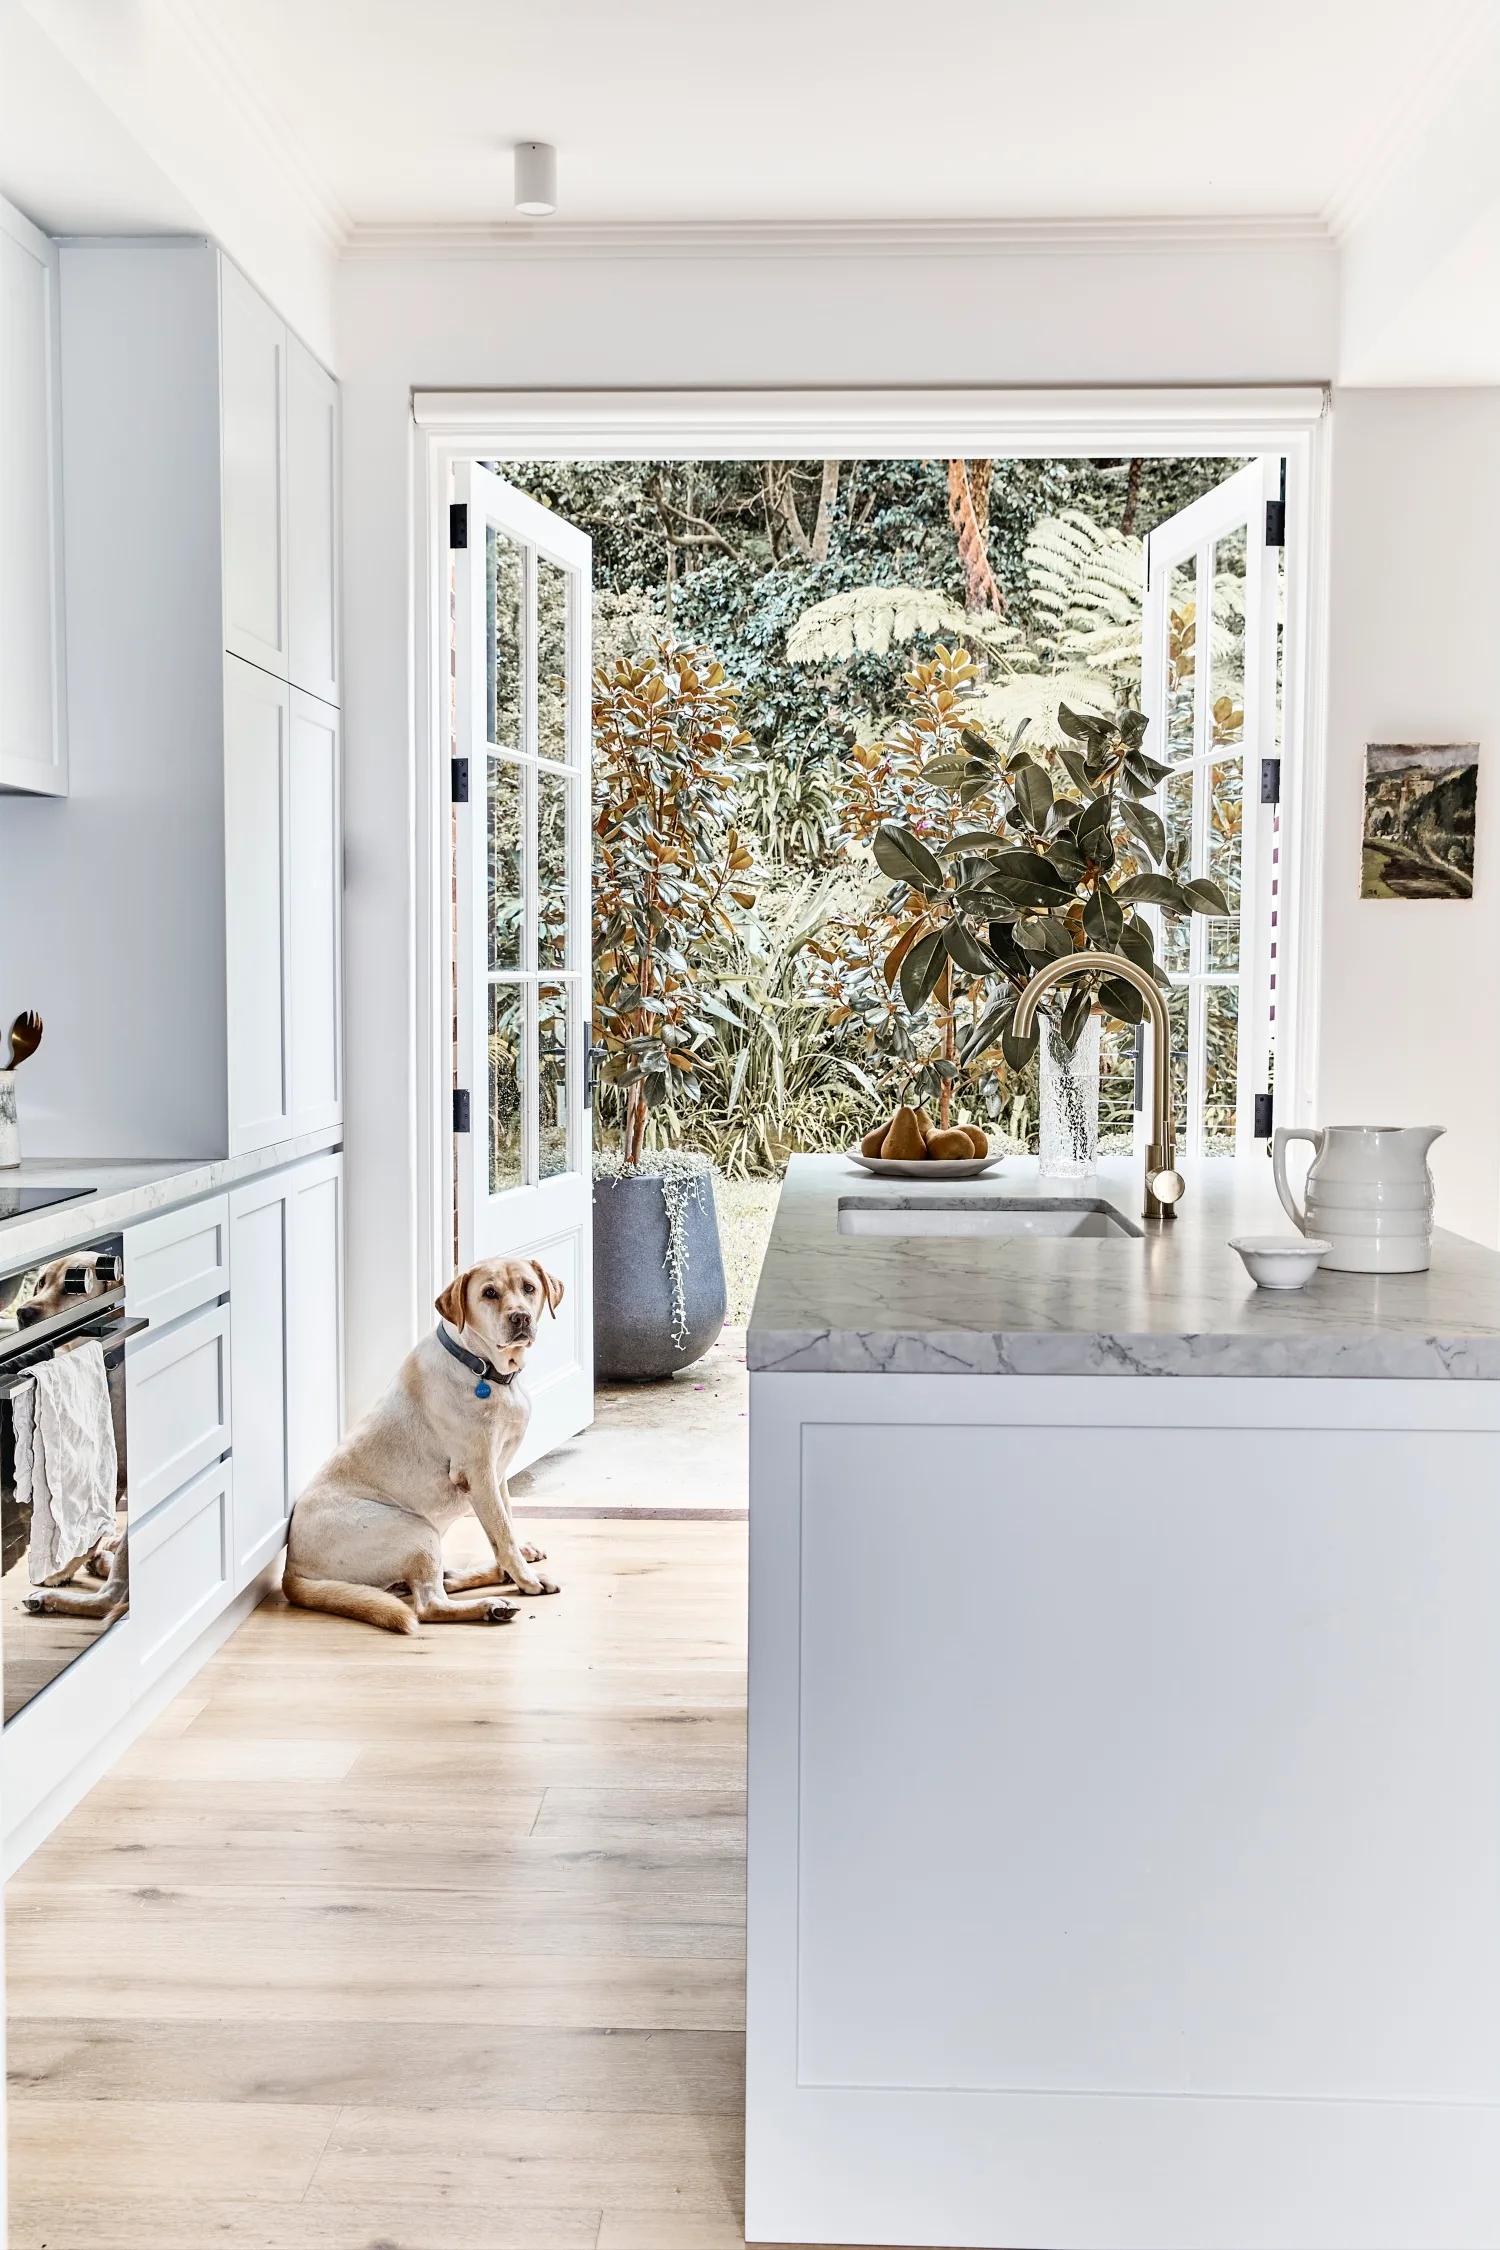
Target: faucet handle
{"type": "Point", "coordinates": [1167, 1186]}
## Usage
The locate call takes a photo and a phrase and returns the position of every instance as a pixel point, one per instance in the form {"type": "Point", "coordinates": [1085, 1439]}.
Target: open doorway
{"type": "Point", "coordinates": [857, 611]}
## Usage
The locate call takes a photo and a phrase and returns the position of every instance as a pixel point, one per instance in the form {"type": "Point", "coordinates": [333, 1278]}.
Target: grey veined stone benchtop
{"type": "Point", "coordinates": [1173, 1299]}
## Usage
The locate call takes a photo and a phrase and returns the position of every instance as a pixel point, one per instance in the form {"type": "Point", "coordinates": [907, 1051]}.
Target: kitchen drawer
{"type": "Point", "coordinates": [181, 1561]}
{"type": "Point", "coordinates": [177, 1405]}
{"type": "Point", "coordinates": [177, 1262]}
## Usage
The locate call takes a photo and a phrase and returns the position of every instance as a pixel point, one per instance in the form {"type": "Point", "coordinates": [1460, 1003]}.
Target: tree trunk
{"type": "Point", "coordinates": [1132, 496]}
{"type": "Point", "coordinates": [635, 1123]}
{"type": "Point", "coordinates": [823, 530]}
{"type": "Point", "coordinates": [786, 494]}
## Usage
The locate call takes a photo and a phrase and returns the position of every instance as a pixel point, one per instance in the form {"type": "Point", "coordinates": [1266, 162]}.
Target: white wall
{"type": "Point", "coordinates": [1235, 312]}
{"type": "Point", "coordinates": [1410, 1014]}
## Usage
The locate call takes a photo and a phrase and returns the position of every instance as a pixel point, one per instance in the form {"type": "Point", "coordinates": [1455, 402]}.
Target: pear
{"type": "Point", "coordinates": [980, 1140]}
{"type": "Point", "coordinates": [925, 1125]}
{"type": "Point", "coordinates": [873, 1143]}
{"type": "Point", "coordinates": [905, 1136]}
{"type": "Point", "coordinates": [946, 1147]}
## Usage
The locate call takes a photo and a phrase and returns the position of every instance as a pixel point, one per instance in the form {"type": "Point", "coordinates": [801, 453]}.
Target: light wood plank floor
{"type": "Point", "coordinates": [428, 1944]}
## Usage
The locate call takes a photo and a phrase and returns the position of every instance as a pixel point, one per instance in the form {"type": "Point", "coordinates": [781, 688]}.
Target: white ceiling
{"type": "Point", "coordinates": [849, 110]}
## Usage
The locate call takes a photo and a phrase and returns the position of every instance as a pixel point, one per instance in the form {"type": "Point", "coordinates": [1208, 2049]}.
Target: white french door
{"type": "Point", "coordinates": [1211, 691]}
{"type": "Point", "coordinates": [521, 818]}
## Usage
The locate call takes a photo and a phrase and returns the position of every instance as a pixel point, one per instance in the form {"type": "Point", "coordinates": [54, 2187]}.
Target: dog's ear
{"type": "Point", "coordinates": [451, 1302]}
{"type": "Point", "coordinates": [552, 1288]}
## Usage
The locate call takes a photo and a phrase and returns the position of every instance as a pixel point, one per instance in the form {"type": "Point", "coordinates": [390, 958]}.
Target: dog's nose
{"type": "Point", "coordinates": [520, 1323]}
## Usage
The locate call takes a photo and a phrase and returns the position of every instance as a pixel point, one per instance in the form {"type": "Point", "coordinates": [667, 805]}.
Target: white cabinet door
{"type": "Point", "coordinates": [257, 852]}
{"type": "Point", "coordinates": [312, 458]}
{"type": "Point", "coordinates": [253, 398]}
{"type": "Point", "coordinates": [33, 734]}
{"type": "Point", "coordinates": [177, 1391]}
{"type": "Point", "coordinates": [181, 1569]}
{"type": "Point", "coordinates": [259, 1284]}
{"type": "Point", "coordinates": [317, 867]}
{"type": "Point", "coordinates": [315, 1326]}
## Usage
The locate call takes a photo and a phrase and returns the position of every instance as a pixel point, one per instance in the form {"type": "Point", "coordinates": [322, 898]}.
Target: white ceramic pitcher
{"type": "Point", "coordinates": [1368, 1191]}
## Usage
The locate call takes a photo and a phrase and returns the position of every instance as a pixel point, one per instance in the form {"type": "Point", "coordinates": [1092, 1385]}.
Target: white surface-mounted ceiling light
{"type": "Point", "coordinates": [536, 179]}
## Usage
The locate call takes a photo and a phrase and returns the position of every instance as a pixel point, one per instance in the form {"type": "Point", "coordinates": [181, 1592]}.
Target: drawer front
{"type": "Point", "coordinates": [181, 1568]}
{"type": "Point", "coordinates": [177, 1262]}
{"type": "Point", "coordinates": [177, 1403]}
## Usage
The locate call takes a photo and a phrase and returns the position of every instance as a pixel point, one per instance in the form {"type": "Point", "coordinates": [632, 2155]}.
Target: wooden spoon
{"type": "Point", "coordinates": [25, 1037]}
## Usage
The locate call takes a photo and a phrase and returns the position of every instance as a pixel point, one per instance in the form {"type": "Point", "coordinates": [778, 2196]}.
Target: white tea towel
{"type": "Point", "coordinates": [66, 1465]}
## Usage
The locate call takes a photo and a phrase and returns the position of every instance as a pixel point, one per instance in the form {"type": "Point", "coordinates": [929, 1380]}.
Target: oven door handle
{"type": "Point", "coordinates": [112, 1333]}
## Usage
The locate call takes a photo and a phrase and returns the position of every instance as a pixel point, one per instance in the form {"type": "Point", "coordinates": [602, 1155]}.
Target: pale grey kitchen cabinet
{"type": "Point", "coordinates": [33, 698]}
{"type": "Point", "coordinates": [202, 855]}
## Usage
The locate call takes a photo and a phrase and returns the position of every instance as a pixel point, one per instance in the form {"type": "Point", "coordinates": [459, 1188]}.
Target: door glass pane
{"type": "Point", "coordinates": [1221, 1062]}
{"type": "Point", "coordinates": [1226, 820]}
{"type": "Point", "coordinates": [551, 660]}
{"type": "Point", "coordinates": [506, 818]}
{"type": "Point", "coordinates": [553, 1060]}
{"type": "Point", "coordinates": [507, 1070]}
{"type": "Point", "coordinates": [505, 569]}
{"type": "Point", "coordinates": [1177, 1018]}
{"type": "Point", "coordinates": [552, 794]}
{"type": "Point", "coordinates": [1228, 660]}
{"type": "Point", "coordinates": [1182, 657]}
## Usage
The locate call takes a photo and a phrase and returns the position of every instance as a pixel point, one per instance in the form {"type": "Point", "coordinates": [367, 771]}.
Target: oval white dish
{"type": "Point", "coordinates": [1280, 1261]}
{"type": "Point", "coordinates": [925, 1167]}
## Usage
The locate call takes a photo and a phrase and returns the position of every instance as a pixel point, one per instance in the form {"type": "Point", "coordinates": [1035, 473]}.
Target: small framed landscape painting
{"type": "Point", "coordinates": [1419, 819]}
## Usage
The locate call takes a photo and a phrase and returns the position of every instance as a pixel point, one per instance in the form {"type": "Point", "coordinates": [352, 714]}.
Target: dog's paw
{"type": "Point", "coordinates": [536, 1586]}
{"type": "Point", "coordinates": [533, 1554]}
{"type": "Point", "coordinates": [500, 1613]}
{"type": "Point", "coordinates": [35, 1605]}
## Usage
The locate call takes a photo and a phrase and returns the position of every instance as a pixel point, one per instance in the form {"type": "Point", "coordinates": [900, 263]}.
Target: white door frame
{"type": "Point", "coordinates": [995, 424]}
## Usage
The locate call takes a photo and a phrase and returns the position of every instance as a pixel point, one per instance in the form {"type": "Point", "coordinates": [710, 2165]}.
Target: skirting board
{"type": "Point", "coordinates": [39, 1824]}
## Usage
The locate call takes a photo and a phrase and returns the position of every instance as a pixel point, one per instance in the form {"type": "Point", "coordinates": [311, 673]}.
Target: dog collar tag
{"type": "Point", "coordinates": [481, 1390]}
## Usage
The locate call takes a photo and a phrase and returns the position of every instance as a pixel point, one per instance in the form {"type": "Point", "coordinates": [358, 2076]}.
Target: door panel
{"type": "Point", "coordinates": [524, 1169]}
{"type": "Point", "coordinates": [257, 846]}
{"type": "Point", "coordinates": [254, 474]}
{"type": "Point", "coordinates": [259, 1276]}
{"type": "Point", "coordinates": [1209, 690]}
{"type": "Point", "coordinates": [315, 1387]}
{"type": "Point", "coordinates": [312, 459]}
{"type": "Point", "coordinates": [313, 1000]}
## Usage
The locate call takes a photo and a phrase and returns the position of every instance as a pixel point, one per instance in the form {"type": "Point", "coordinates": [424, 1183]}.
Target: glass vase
{"type": "Point", "coordinates": [1068, 1123]}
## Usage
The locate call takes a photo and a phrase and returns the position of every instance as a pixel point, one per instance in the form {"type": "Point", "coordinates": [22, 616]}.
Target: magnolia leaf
{"type": "Point", "coordinates": [1137, 945]}
{"type": "Point", "coordinates": [1145, 824]}
{"type": "Point", "coordinates": [1121, 1000]}
{"type": "Point", "coordinates": [1018, 1052]}
{"type": "Point", "coordinates": [1149, 890]}
{"type": "Point", "coordinates": [1033, 868]}
{"type": "Point", "coordinates": [1202, 897]}
{"type": "Point", "coordinates": [1092, 832]}
{"type": "Point", "coordinates": [1078, 769]}
{"type": "Point", "coordinates": [975, 843]}
{"type": "Point", "coordinates": [965, 949]}
{"type": "Point", "coordinates": [902, 947]}
{"type": "Point", "coordinates": [921, 970]}
{"type": "Point", "coordinates": [905, 858]}
{"type": "Point", "coordinates": [1103, 918]}
{"type": "Point", "coordinates": [1146, 773]}
{"type": "Point", "coordinates": [989, 1027]}
{"type": "Point", "coordinates": [1033, 793]}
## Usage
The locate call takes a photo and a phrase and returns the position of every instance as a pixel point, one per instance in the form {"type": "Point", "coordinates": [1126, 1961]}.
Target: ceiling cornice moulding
{"type": "Point", "coordinates": [906, 238]}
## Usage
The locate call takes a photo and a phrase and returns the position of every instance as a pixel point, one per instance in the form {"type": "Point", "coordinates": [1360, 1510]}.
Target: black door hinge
{"type": "Point", "coordinates": [1276, 516]}
{"type": "Point", "coordinates": [1263, 1109]}
{"type": "Point", "coordinates": [458, 524]}
{"type": "Point", "coordinates": [460, 791]}
{"type": "Point", "coordinates": [460, 1109]}
{"type": "Point", "coordinates": [1270, 781]}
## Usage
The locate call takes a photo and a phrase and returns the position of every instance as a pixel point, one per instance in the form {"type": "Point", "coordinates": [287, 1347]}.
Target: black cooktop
{"type": "Point", "coordinates": [15, 1200]}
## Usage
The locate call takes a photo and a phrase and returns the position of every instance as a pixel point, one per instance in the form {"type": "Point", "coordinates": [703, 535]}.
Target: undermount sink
{"type": "Point", "coordinates": [1006, 1218]}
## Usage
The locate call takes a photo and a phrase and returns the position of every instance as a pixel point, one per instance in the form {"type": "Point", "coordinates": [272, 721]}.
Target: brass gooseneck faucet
{"type": "Point", "coordinates": [1164, 1183]}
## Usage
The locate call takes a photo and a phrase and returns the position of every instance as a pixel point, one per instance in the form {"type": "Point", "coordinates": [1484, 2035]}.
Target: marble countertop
{"type": "Point", "coordinates": [1174, 1301]}
{"type": "Point", "coordinates": [122, 1192]}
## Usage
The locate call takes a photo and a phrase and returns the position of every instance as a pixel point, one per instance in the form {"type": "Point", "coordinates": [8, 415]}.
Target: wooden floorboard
{"type": "Point", "coordinates": [428, 1944]}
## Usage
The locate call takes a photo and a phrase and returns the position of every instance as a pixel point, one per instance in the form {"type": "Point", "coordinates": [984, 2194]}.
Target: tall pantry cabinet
{"type": "Point", "coordinates": [176, 918]}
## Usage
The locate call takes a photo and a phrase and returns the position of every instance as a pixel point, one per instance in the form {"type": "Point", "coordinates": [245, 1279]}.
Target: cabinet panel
{"type": "Point", "coordinates": [259, 1279]}
{"type": "Point", "coordinates": [315, 1328]}
{"type": "Point", "coordinates": [33, 742]}
{"type": "Point", "coordinates": [316, 912]}
{"type": "Point", "coordinates": [177, 1399]}
{"type": "Point", "coordinates": [181, 1564]}
{"type": "Point", "coordinates": [257, 793]}
{"type": "Point", "coordinates": [253, 391]}
{"type": "Point", "coordinates": [177, 1262]}
{"type": "Point", "coordinates": [312, 450]}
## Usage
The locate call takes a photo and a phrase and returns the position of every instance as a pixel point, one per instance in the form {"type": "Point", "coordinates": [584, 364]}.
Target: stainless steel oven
{"type": "Point", "coordinates": [45, 1627]}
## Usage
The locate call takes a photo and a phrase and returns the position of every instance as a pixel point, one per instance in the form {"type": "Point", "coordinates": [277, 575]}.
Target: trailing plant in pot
{"type": "Point", "coordinates": [671, 871]}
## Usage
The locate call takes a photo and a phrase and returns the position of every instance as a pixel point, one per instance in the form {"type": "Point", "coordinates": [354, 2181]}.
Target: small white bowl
{"type": "Point", "coordinates": [1280, 1261]}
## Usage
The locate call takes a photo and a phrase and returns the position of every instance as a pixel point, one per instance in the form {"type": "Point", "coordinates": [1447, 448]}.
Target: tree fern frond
{"type": "Point", "coordinates": [871, 620]}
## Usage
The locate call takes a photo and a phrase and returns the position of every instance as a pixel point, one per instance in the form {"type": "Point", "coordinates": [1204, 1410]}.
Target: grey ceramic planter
{"type": "Point", "coordinates": [633, 1339]}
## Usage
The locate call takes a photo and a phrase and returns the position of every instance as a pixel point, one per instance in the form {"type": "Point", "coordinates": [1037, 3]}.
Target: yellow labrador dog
{"type": "Point", "coordinates": [439, 1441]}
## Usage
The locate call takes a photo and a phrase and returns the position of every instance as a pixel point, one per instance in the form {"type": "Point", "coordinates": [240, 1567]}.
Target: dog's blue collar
{"type": "Point", "coordinates": [483, 1368]}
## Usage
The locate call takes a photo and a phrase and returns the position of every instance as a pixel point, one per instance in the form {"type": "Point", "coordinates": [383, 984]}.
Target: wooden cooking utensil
{"type": "Point", "coordinates": [25, 1037]}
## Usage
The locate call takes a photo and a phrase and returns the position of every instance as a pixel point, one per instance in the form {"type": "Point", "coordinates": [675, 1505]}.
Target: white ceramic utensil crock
{"type": "Point", "coordinates": [1368, 1191]}
{"type": "Point", "coordinates": [10, 1129]}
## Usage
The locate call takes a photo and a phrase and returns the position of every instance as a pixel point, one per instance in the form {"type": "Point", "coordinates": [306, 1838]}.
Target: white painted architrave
{"type": "Point", "coordinates": [452, 427]}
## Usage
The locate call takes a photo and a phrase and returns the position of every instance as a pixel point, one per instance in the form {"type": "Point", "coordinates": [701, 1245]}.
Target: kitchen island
{"type": "Point", "coordinates": [1124, 1729]}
